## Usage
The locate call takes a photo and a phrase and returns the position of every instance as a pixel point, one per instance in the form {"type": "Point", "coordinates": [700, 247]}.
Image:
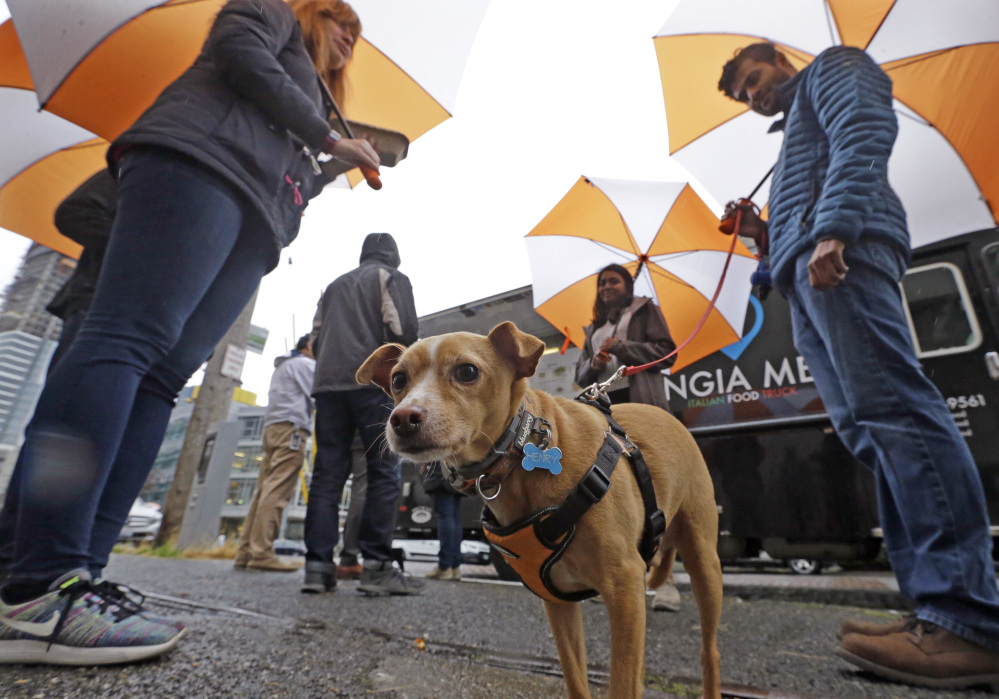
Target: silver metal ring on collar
{"type": "Point", "coordinates": [478, 489]}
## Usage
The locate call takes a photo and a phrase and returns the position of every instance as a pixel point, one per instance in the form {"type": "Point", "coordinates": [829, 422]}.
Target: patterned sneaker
{"type": "Point", "coordinates": [127, 597]}
{"type": "Point", "coordinates": [75, 624]}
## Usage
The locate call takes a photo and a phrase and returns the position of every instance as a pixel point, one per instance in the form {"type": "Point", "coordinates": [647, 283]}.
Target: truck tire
{"type": "Point", "coordinates": [805, 566]}
{"type": "Point", "coordinates": [503, 569]}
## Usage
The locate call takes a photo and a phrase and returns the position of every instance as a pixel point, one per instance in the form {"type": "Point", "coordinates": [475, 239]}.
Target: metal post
{"type": "Point", "coordinates": [212, 405]}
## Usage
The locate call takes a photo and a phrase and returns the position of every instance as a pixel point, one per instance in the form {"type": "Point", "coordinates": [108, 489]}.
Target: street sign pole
{"type": "Point", "coordinates": [212, 405]}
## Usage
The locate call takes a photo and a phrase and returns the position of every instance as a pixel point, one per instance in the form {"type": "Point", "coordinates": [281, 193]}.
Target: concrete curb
{"type": "Point", "coordinates": [869, 599]}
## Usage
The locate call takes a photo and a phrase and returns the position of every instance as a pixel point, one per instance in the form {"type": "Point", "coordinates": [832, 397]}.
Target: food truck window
{"type": "Point", "coordinates": [941, 318]}
{"type": "Point", "coordinates": [990, 256]}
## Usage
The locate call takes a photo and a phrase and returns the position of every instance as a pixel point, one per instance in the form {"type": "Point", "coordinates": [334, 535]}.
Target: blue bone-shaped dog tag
{"type": "Point", "coordinates": [549, 459]}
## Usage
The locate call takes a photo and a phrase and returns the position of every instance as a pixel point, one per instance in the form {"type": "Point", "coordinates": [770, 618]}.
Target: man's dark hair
{"type": "Point", "coordinates": [601, 311]}
{"type": "Point", "coordinates": [302, 343]}
{"type": "Point", "coordinates": [764, 51]}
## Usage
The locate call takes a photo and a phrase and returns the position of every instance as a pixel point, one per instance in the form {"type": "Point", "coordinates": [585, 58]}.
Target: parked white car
{"type": "Point", "coordinates": [143, 522]}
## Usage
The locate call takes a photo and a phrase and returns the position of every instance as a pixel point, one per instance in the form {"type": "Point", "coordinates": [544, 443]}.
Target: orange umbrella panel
{"type": "Point", "coordinates": [943, 59]}
{"type": "Point", "coordinates": [660, 231]}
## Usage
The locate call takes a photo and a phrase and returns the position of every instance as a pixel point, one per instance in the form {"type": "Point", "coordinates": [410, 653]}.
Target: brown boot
{"type": "Point", "coordinates": [271, 564]}
{"type": "Point", "coordinates": [924, 655]}
{"type": "Point", "coordinates": [349, 572]}
{"type": "Point", "coordinates": [870, 628]}
{"type": "Point", "coordinates": [241, 560]}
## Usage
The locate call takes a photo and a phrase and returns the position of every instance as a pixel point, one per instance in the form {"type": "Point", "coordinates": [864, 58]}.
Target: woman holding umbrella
{"type": "Point", "coordinates": [212, 182]}
{"type": "Point", "coordinates": [629, 331]}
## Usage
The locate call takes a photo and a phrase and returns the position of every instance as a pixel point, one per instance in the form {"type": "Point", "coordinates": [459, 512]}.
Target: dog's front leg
{"type": "Point", "coordinates": [566, 620]}
{"type": "Point", "coordinates": [625, 599]}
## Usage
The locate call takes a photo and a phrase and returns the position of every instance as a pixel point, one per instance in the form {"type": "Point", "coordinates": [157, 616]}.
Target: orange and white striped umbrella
{"type": "Point", "coordinates": [43, 157]}
{"type": "Point", "coordinates": [99, 65]}
{"type": "Point", "coordinates": [943, 58]}
{"type": "Point", "coordinates": [665, 228]}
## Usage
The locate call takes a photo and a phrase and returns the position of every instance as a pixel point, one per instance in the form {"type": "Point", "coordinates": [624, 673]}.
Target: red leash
{"type": "Point", "coordinates": [629, 370]}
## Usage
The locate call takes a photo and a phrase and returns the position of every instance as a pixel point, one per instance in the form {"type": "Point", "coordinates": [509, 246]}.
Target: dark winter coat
{"type": "Point", "coordinates": [359, 312]}
{"type": "Point", "coordinates": [85, 217]}
{"type": "Point", "coordinates": [647, 339]}
{"type": "Point", "coordinates": [249, 109]}
{"type": "Point", "coordinates": [831, 179]}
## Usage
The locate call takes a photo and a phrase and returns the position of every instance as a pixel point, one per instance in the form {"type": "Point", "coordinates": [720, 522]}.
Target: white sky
{"type": "Point", "coordinates": [553, 89]}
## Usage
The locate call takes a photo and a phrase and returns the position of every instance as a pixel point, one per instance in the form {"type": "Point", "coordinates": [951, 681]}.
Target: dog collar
{"type": "Point", "coordinates": [516, 435]}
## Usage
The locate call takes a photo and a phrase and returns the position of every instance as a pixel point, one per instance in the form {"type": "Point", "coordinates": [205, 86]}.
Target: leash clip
{"type": "Point", "coordinates": [595, 391]}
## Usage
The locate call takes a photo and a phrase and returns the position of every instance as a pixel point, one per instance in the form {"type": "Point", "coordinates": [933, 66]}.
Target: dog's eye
{"type": "Point", "coordinates": [399, 381]}
{"type": "Point", "coordinates": [466, 373]}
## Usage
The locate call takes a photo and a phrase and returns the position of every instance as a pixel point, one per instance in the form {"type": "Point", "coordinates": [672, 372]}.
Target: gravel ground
{"type": "Point", "coordinates": [473, 639]}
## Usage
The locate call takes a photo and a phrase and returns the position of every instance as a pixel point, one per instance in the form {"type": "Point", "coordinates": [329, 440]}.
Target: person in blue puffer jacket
{"type": "Point", "coordinates": [839, 246]}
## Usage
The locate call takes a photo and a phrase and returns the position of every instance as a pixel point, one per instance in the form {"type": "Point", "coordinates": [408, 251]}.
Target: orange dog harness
{"type": "Point", "coordinates": [534, 544]}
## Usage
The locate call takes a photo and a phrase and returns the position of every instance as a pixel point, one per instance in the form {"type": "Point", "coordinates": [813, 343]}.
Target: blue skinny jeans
{"type": "Point", "coordinates": [449, 533]}
{"type": "Point", "coordinates": [184, 259]}
{"type": "Point", "coordinates": [857, 344]}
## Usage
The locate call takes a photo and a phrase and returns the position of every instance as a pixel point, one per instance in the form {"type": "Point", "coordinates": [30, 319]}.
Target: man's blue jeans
{"type": "Point", "coordinates": [182, 263]}
{"type": "Point", "coordinates": [339, 414]}
{"type": "Point", "coordinates": [449, 533]}
{"type": "Point", "coordinates": [857, 344]}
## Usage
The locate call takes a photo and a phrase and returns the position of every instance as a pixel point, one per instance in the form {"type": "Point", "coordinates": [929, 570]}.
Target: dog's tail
{"type": "Point", "coordinates": [660, 567]}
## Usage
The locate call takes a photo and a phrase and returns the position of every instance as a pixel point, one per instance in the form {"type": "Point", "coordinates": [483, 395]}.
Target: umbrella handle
{"type": "Point", "coordinates": [371, 177]}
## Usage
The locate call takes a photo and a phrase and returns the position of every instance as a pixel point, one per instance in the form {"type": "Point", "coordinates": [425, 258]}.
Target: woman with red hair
{"type": "Point", "coordinates": [212, 182]}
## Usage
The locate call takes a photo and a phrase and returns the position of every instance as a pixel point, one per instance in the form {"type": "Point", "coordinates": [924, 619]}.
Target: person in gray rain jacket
{"type": "Point", "coordinates": [357, 313]}
{"type": "Point", "coordinates": [287, 427]}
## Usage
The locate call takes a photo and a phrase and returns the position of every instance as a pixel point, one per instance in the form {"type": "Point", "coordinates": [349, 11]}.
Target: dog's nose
{"type": "Point", "coordinates": [407, 421]}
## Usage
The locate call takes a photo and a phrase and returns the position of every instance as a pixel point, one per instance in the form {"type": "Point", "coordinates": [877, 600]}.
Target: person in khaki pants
{"type": "Point", "coordinates": [287, 424]}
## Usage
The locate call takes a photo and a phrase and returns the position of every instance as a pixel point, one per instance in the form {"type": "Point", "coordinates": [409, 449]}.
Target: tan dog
{"type": "Point", "coordinates": [456, 394]}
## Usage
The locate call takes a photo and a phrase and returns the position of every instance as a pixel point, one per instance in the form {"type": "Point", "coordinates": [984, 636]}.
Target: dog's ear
{"type": "Point", "coordinates": [377, 368]}
{"type": "Point", "coordinates": [520, 349]}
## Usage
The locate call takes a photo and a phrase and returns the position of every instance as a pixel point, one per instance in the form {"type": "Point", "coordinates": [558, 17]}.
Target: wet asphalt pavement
{"type": "Point", "coordinates": [253, 634]}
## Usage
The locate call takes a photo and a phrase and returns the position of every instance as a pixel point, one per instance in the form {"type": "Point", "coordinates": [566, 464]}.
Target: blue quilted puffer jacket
{"type": "Point", "coordinates": [831, 179]}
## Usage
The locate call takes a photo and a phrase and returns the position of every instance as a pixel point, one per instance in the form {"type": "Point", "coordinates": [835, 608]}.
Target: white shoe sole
{"type": "Point", "coordinates": [38, 652]}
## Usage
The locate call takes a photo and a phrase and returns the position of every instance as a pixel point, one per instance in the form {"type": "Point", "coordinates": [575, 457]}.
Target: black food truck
{"type": "Point", "coordinates": [787, 489]}
{"type": "Point", "coordinates": [785, 484]}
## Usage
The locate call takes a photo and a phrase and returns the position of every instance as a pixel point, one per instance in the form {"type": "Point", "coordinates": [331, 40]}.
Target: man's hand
{"type": "Point", "coordinates": [750, 224]}
{"type": "Point", "coordinates": [826, 269]}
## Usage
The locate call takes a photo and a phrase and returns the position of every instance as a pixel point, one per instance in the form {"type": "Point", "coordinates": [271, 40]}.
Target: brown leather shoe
{"type": "Point", "coordinates": [241, 560]}
{"type": "Point", "coordinates": [924, 655]}
{"type": "Point", "coordinates": [869, 628]}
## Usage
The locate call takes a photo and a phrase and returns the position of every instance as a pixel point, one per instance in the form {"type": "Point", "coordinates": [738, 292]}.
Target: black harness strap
{"type": "Point", "coordinates": [589, 491]}
{"type": "Point", "coordinates": [655, 520]}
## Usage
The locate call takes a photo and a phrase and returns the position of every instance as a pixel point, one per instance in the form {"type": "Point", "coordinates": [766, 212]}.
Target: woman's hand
{"type": "Point", "coordinates": [600, 361]}
{"type": "Point", "coordinates": [356, 151]}
{"type": "Point", "coordinates": [608, 345]}
{"type": "Point", "coordinates": [359, 152]}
